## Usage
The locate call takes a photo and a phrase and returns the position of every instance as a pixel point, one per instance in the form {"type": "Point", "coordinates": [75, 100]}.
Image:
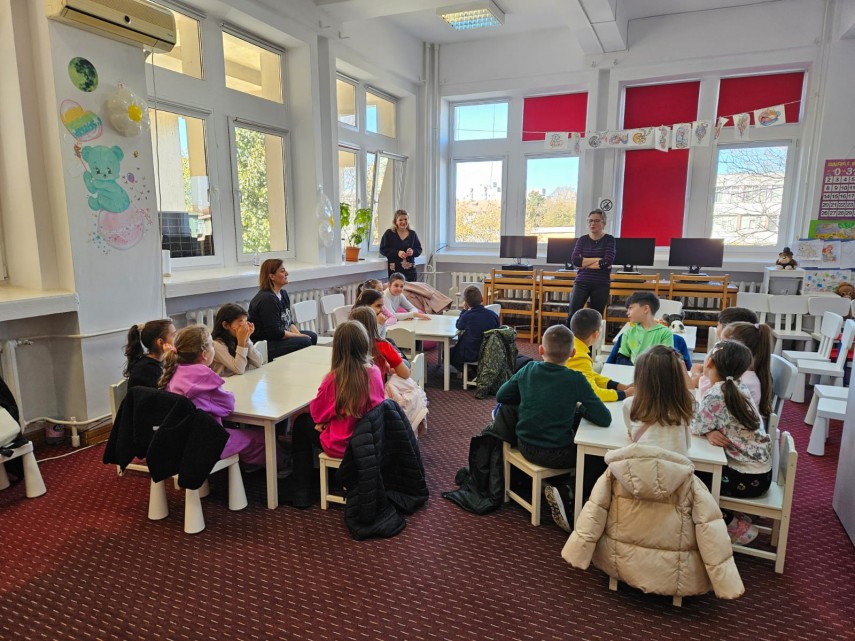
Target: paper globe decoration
{"type": "Point", "coordinates": [128, 113]}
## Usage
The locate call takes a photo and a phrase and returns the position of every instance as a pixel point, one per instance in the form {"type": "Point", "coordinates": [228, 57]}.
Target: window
{"type": "Point", "coordinates": [262, 190]}
{"type": "Point", "coordinates": [346, 100]}
{"type": "Point", "coordinates": [753, 178]}
{"type": "Point", "coordinates": [478, 200]}
{"type": "Point", "coordinates": [484, 121]}
{"type": "Point", "coordinates": [550, 201]}
{"type": "Point", "coordinates": [379, 115]}
{"type": "Point", "coordinates": [347, 178]}
{"type": "Point", "coordinates": [252, 69]}
{"type": "Point", "coordinates": [561, 112]}
{"type": "Point", "coordinates": [186, 55]}
{"type": "Point", "coordinates": [386, 192]}
{"type": "Point", "coordinates": [181, 183]}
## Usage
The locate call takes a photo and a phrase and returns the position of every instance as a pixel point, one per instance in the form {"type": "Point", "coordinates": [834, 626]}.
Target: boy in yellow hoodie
{"type": "Point", "coordinates": [585, 325]}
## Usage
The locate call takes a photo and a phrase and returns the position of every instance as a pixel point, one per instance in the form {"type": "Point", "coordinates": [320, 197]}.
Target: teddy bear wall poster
{"type": "Point", "coordinates": [117, 187]}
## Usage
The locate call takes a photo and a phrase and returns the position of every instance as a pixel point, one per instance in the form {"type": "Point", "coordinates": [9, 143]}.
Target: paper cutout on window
{"type": "Point", "coordinates": [770, 116]}
{"type": "Point", "coordinates": [740, 126]}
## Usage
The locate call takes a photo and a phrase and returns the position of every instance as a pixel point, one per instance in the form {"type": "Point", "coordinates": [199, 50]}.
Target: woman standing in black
{"type": "Point", "coordinates": [400, 245]}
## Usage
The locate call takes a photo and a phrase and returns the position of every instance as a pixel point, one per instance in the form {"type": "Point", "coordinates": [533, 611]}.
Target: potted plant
{"type": "Point", "coordinates": [354, 230]}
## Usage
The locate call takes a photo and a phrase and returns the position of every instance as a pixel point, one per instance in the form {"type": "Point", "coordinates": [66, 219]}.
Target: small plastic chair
{"type": "Point", "coordinates": [328, 304]}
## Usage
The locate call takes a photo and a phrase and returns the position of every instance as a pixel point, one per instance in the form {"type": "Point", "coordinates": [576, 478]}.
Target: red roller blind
{"type": "Point", "coordinates": [654, 182]}
{"type": "Point", "coordinates": [565, 112]}
{"type": "Point", "coordinates": [745, 94]}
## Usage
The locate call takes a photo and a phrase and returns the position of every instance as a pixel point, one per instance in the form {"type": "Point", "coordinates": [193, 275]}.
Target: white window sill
{"type": "Point", "coordinates": [204, 281]}
{"type": "Point", "coordinates": [22, 302]}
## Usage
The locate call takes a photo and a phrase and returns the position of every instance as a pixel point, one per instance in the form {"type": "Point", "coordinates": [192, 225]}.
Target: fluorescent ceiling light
{"type": "Point", "coordinates": [473, 15]}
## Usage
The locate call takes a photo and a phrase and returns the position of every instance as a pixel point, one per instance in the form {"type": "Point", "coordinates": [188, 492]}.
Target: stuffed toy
{"type": "Point", "coordinates": [786, 260]}
{"type": "Point", "coordinates": [846, 290]}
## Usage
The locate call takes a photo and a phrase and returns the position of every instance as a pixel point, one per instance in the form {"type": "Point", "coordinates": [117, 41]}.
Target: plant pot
{"type": "Point", "coordinates": [351, 254]}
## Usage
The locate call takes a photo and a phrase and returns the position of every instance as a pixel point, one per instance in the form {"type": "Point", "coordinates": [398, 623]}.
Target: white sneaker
{"type": "Point", "coordinates": [556, 505]}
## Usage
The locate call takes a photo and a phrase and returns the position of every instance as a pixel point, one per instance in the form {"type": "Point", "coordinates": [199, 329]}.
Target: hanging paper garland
{"type": "Point", "coordinates": [128, 112]}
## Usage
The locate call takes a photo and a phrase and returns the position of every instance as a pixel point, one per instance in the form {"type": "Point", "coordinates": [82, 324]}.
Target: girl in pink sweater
{"type": "Point", "coordinates": [347, 393]}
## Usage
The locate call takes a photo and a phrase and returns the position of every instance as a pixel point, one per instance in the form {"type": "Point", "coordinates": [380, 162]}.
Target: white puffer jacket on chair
{"type": "Point", "coordinates": [651, 523]}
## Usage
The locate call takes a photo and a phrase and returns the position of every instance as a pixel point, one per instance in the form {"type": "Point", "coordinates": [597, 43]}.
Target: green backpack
{"type": "Point", "coordinates": [497, 360]}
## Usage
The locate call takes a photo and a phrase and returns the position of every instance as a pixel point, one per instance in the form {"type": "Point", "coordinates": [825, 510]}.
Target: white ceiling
{"type": "Point", "coordinates": [598, 25]}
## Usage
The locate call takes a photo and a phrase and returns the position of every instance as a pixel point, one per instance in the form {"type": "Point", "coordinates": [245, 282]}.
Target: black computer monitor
{"type": "Point", "coordinates": [518, 247]}
{"type": "Point", "coordinates": [559, 251]}
{"type": "Point", "coordinates": [632, 252]}
{"type": "Point", "coordinates": [696, 253]}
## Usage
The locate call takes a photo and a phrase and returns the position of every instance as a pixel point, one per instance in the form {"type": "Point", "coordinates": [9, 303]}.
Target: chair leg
{"type": "Point", "coordinates": [677, 601]}
{"type": "Point", "coordinates": [204, 491]}
{"type": "Point", "coordinates": [536, 489]}
{"type": "Point", "coordinates": [783, 533]}
{"type": "Point", "coordinates": [776, 532]}
{"type": "Point", "coordinates": [4, 478]}
{"type": "Point", "coordinates": [799, 389]}
{"type": "Point", "coordinates": [816, 446]}
{"type": "Point", "coordinates": [324, 486]}
{"type": "Point", "coordinates": [810, 417]}
{"type": "Point", "coordinates": [237, 493]}
{"type": "Point", "coordinates": [33, 481]}
{"type": "Point", "coordinates": [194, 520]}
{"type": "Point", "coordinates": [612, 584]}
{"type": "Point", "coordinates": [157, 505]}
{"type": "Point", "coordinates": [507, 479]}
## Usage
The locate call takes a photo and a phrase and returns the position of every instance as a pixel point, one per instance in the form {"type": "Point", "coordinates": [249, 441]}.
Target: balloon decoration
{"type": "Point", "coordinates": [326, 220]}
{"type": "Point", "coordinates": [128, 112]}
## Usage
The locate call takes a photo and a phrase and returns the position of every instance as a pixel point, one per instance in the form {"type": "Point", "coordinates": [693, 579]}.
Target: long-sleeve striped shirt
{"type": "Point", "coordinates": [603, 249]}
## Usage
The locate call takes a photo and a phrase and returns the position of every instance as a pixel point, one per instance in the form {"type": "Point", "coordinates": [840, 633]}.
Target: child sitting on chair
{"type": "Point", "coordinates": [585, 325]}
{"type": "Point", "coordinates": [644, 331]}
{"type": "Point", "coordinates": [474, 320]}
{"type": "Point", "coordinates": [547, 394]}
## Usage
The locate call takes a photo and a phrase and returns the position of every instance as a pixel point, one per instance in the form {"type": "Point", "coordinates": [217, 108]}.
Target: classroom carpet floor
{"type": "Point", "coordinates": [83, 562]}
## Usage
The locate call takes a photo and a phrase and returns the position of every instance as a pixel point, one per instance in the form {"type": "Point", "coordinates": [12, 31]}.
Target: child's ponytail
{"type": "Point", "coordinates": [133, 349]}
{"type": "Point", "coordinates": [757, 337]}
{"type": "Point", "coordinates": [170, 364]}
{"type": "Point", "coordinates": [189, 343]}
{"type": "Point", "coordinates": [731, 360]}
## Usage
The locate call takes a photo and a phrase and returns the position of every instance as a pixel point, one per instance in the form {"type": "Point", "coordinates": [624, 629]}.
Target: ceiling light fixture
{"type": "Point", "coordinates": [473, 15]}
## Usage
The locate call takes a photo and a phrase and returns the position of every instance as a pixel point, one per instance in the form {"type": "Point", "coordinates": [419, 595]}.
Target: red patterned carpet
{"type": "Point", "coordinates": [83, 562]}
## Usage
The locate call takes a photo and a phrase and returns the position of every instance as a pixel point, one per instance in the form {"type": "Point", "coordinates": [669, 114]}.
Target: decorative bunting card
{"type": "Point", "coordinates": [663, 137]}
{"type": "Point", "coordinates": [555, 140]}
{"type": "Point", "coordinates": [701, 130]}
{"type": "Point", "coordinates": [594, 139]}
{"type": "Point", "coordinates": [741, 123]}
{"type": "Point", "coordinates": [680, 135]}
{"type": "Point", "coordinates": [617, 138]}
{"type": "Point", "coordinates": [641, 138]}
{"type": "Point", "coordinates": [770, 116]}
{"type": "Point", "coordinates": [721, 122]}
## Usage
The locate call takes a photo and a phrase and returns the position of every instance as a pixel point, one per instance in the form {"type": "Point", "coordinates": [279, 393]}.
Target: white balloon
{"type": "Point", "coordinates": [128, 112]}
{"type": "Point", "coordinates": [325, 233]}
{"type": "Point", "coordinates": [323, 207]}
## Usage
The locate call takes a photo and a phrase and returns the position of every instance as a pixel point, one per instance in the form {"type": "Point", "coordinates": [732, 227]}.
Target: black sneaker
{"type": "Point", "coordinates": [556, 506]}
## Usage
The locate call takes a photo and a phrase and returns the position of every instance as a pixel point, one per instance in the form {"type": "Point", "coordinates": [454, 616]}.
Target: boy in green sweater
{"type": "Point", "coordinates": [643, 332]}
{"type": "Point", "coordinates": [547, 394]}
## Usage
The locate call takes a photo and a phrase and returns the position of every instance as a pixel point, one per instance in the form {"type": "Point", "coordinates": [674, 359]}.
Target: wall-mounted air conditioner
{"type": "Point", "coordinates": [133, 21]}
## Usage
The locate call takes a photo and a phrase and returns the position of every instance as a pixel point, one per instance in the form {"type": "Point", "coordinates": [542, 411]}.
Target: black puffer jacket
{"type": "Point", "coordinates": [188, 441]}
{"type": "Point", "coordinates": [382, 473]}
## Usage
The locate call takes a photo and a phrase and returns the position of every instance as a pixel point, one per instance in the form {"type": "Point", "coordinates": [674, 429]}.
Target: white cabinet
{"type": "Point", "coordinates": [783, 281]}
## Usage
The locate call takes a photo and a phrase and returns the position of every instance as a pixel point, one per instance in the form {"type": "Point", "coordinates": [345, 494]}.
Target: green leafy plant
{"type": "Point", "coordinates": [354, 226]}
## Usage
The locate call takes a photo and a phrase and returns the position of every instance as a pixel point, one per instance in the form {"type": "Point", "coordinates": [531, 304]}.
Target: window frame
{"type": "Point", "coordinates": [538, 156]}
{"type": "Point", "coordinates": [357, 115]}
{"type": "Point", "coordinates": [240, 34]}
{"type": "Point", "coordinates": [471, 103]}
{"type": "Point", "coordinates": [363, 110]}
{"type": "Point", "coordinates": [199, 17]}
{"type": "Point", "coordinates": [452, 200]}
{"type": "Point", "coordinates": [213, 179]}
{"type": "Point", "coordinates": [290, 251]}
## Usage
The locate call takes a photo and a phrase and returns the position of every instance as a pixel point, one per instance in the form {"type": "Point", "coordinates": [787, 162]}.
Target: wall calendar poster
{"type": "Point", "coordinates": [838, 190]}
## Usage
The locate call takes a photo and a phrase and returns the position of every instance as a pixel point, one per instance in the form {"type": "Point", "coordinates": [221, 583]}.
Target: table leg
{"type": "Point", "coordinates": [446, 370]}
{"type": "Point", "coordinates": [580, 483]}
{"type": "Point", "coordinates": [716, 483]}
{"type": "Point", "coordinates": [270, 465]}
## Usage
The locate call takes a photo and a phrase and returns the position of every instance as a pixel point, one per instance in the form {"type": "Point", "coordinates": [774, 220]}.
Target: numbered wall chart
{"type": "Point", "coordinates": [838, 190]}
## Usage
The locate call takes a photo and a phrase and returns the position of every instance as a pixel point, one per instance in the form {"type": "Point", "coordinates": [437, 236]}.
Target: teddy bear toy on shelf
{"type": "Point", "coordinates": [786, 260]}
{"type": "Point", "coordinates": [846, 290]}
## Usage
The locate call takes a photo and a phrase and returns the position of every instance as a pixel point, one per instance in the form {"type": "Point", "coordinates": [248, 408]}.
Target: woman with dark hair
{"type": "Point", "coordinates": [270, 312]}
{"type": "Point", "coordinates": [593, 255]}
{"type": "Point", "coordinates": [400, 245]}
{"type": "Point", "coordinates": [234, 352]}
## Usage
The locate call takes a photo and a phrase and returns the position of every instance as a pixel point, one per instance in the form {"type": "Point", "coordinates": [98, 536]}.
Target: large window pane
{"type": "Point", "coordinates": [550, 202]}
{"type": "Point", "coordinates": [347, 178]}
{"type": "Point", "coordinates": [186, 55]}
{"type": "Point", "coordinates": [181, 183]}
{"type": "Point", "coordinates": [749, 193]}
{"type": "Point", "coordinates": [346, 100]}
{"type": "Point", "coordinates": [481, 122]}
{"type": "Point", "coordinates": [261, 180]}
{"type": "Point", "coordinates": [379, 115]}
{"type": "Point", "coordinates": [478, 201]}
{"type": "Point", "coordinates": [388, 193]}
{"type": "Point", "coordinates": [252, 69]}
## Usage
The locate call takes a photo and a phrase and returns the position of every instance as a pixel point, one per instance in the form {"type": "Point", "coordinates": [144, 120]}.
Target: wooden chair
{"type": "Point", "coordinates": [776, 504]}
{"type": "Point", "coordinates": [757, 303]}
{"type": "Point", "coordinates": [513, 457]}
{"type": "Point", "coordinates": [703, 297]}
{"type": "Point", "coordinates": [516, 292]}
{"type": "Point", "coordinates": [787, 312]}
{"type": "Point", "coordinates": [829, 372]}
{"type": "Point", "coordinates": [328, 304]}
{"type": "Point", "coordinates": [621, 287]}
{"type": "Point", "coordinates": [328, 463]}
{"type": "Point", "coordinates": [554, 289]}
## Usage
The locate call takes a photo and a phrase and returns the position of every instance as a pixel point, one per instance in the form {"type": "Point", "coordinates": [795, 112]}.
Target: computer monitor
{"type": "Point", "coordinates": [559, 251]}
{"type": "Point", "coordinates": [632, 252]}
{"type": "Point", "coordinates": [696, 253]}
{"type": "Point", "coordinates": [518, 247]}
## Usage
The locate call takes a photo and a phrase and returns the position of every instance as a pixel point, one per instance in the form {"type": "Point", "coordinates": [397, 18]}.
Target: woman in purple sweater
{"type": "Point", "coordinates": [593, 255]}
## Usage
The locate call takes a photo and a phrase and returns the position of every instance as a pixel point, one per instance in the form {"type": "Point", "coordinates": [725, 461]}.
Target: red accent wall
{"type": "Point", "coordinates": [654, 182]}
{"type": "Point", "coordinates": [747, 93]}
{"type": "Point", "coordinates": [565, 112]}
